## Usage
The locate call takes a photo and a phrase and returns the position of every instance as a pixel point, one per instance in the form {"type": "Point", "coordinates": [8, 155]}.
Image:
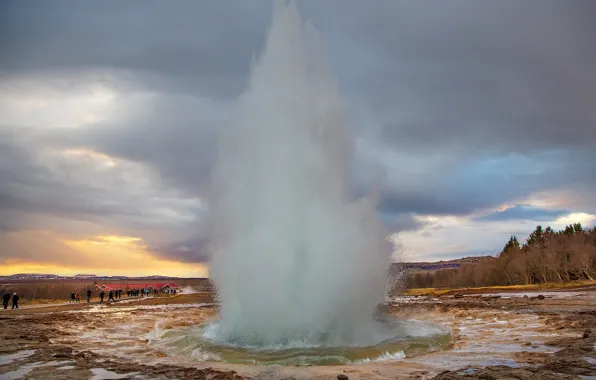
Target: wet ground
{"type": "Point", "coordinates": [496, 336]}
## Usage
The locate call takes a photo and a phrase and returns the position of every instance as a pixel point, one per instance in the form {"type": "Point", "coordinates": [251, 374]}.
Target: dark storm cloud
{"type": "Point", "coordinates": [460, 103]}
{"type": "Point", "coordinates": [28, 186]}
{"type": "Point", "coordinates": [498, 76]}
{"type": "Point", "coordinates": [485, 182]}
{"type": "Point", "coordinates": [194, 250]}
{"type": "Point", "coordinates": [400, 222]}
{"type": "Point", "coordinates": [204, 45]}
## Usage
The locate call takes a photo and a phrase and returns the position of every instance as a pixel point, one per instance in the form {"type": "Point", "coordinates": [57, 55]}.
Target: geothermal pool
{"type": "Point", "coordinates": [185, 334]}
{"type": "Point", "coordinates": [397, 339]}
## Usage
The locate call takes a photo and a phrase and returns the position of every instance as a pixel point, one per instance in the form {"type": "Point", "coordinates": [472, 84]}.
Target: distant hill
{"type": "Point", "coordinates": [395, 267]}
{"type": "Point", "coordinates": [30, 276]}
{"type": "Point", "coordinates": [39, 276]}
{"type": "Point", "coordinates": [157, 277]}
{"type": "Point", "coordinates": [437, 265]}
{"type": "Point", "coordinates": [84, 276]}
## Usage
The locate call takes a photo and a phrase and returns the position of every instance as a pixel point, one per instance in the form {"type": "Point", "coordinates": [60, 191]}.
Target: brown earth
{"type": "Point", "coordinates": [33, 329]}
{"type": "Point", "coordinates": [574, 357]}
{"type": "Point", "coordinates": [47, 331]}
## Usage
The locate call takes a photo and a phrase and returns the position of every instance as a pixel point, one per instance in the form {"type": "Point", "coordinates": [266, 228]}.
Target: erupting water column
{"type": "Point", "coordinates": [296, 262]}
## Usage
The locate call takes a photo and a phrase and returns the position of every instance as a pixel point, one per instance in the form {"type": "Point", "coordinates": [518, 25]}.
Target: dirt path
{"type": "Point", "coordinates": [61, 305]}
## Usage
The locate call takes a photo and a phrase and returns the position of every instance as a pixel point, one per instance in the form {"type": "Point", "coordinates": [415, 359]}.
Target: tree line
{"type": "Point", "coordinates": [546, 256]}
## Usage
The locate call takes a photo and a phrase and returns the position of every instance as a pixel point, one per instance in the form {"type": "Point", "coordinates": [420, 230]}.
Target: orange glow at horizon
{"type": "Point", "coordinates": [102, 255]}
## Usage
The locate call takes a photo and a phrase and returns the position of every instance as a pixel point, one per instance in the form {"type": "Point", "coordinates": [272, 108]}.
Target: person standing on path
{"type": "Point", "coordinates": [15, 301]}
{"type": "Point", "coordinates": [111, 296]}
{"type": "Point", "coordinates": [101, 295]}
{"type": "Point", "coordinates": [5, 299]}
{"type": "Point", "coordinates": [88, 295]}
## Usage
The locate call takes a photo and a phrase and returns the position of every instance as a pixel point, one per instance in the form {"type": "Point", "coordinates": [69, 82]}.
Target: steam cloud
{"type": "Point", "coordinates": [297, 260]}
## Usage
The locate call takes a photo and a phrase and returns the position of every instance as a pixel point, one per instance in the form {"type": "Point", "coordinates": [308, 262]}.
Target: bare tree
{"type": "Point", "coordinates": [547, 256]}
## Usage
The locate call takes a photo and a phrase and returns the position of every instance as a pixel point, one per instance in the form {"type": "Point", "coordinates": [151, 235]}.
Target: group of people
{"type": "Point", "coordinates": [137, 292]}
{"type": "Point", "coordinates": [6, 299]}
{"type": "Point", "coordinates": [111, 294]}
{"type": "Point", "coordinates": [143, 292]}
{"type": "Point", "coordinates": [75, 296]}
{"type": "Point", "coordinates": [115, 294]}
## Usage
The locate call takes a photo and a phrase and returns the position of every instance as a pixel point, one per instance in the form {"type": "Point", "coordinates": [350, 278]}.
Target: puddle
{"type": "Point", "coordinates": [7, 359]}
{"type": "Point", "coordinates": [453, 361]}
{"type": "Point", "coordinates": [590, 360]}
{"type": "Point", "coordinates": [104, 374]}
{"type": "Point", "coordinates": [17, 374]}
{"type": "Point", "coordinates": [54, 363]}
{"type": "Point", "coordinates": [98, 309]}
{"type": "Point", "coordinates": [25, 369]}
{"type": "Point", "coordinates": [411, 299]}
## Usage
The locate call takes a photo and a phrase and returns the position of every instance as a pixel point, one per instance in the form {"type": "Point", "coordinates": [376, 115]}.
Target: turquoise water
{"type": "Point", "coordinates": [397, 339]}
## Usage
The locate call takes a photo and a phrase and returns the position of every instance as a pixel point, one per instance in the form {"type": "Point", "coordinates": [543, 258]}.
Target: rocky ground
{"type": "Point", "coordinates": [548, 338]}
{"type": "Point", "coordinates": [571, 322]}
{"type": "Point", "coordinates": [29, 351]}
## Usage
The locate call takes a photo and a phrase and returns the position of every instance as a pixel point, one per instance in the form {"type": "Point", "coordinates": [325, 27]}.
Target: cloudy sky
{"type": "Point", "coordinates": [480, 115]}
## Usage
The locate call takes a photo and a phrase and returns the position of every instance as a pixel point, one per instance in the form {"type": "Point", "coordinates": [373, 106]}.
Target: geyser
{"type": "Point", "coordinates": [297, 261]}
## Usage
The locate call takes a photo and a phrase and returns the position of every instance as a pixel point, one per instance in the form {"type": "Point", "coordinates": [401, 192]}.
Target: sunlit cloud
{"type": "Point", "coordinates": [576, 217]}
{"type": "Point", "coordinates": [562, 198]}
{"type": "Point", "coordinates": [103, 255]}
{"type": "Point", "coordinates": [444, 220]}
{"type": "Point", "coordinates": [503, 207]}
{"type": "Point", "coordinates": [449, 237]}
{"type": "Point", "coordinates": [88, 154]}
{"type": "Point", "coordinates": [56, 102]}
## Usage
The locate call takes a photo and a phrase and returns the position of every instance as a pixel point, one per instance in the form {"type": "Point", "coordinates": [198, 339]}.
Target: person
{"type": "Point", "coordinates": [72, 297]}
{"type": "Point", "coordinates": [101, 295]}
{"type": "Point", "coordinates": [15, 301]}
{"type": "Point", "coordinates": [5, 299]}
{"type": "Point", "coordinates": [88, 295]}
{"type": "Point", "coordinates": [111, 296]}
{"type": "Point", "coordinates": [78, 296]}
